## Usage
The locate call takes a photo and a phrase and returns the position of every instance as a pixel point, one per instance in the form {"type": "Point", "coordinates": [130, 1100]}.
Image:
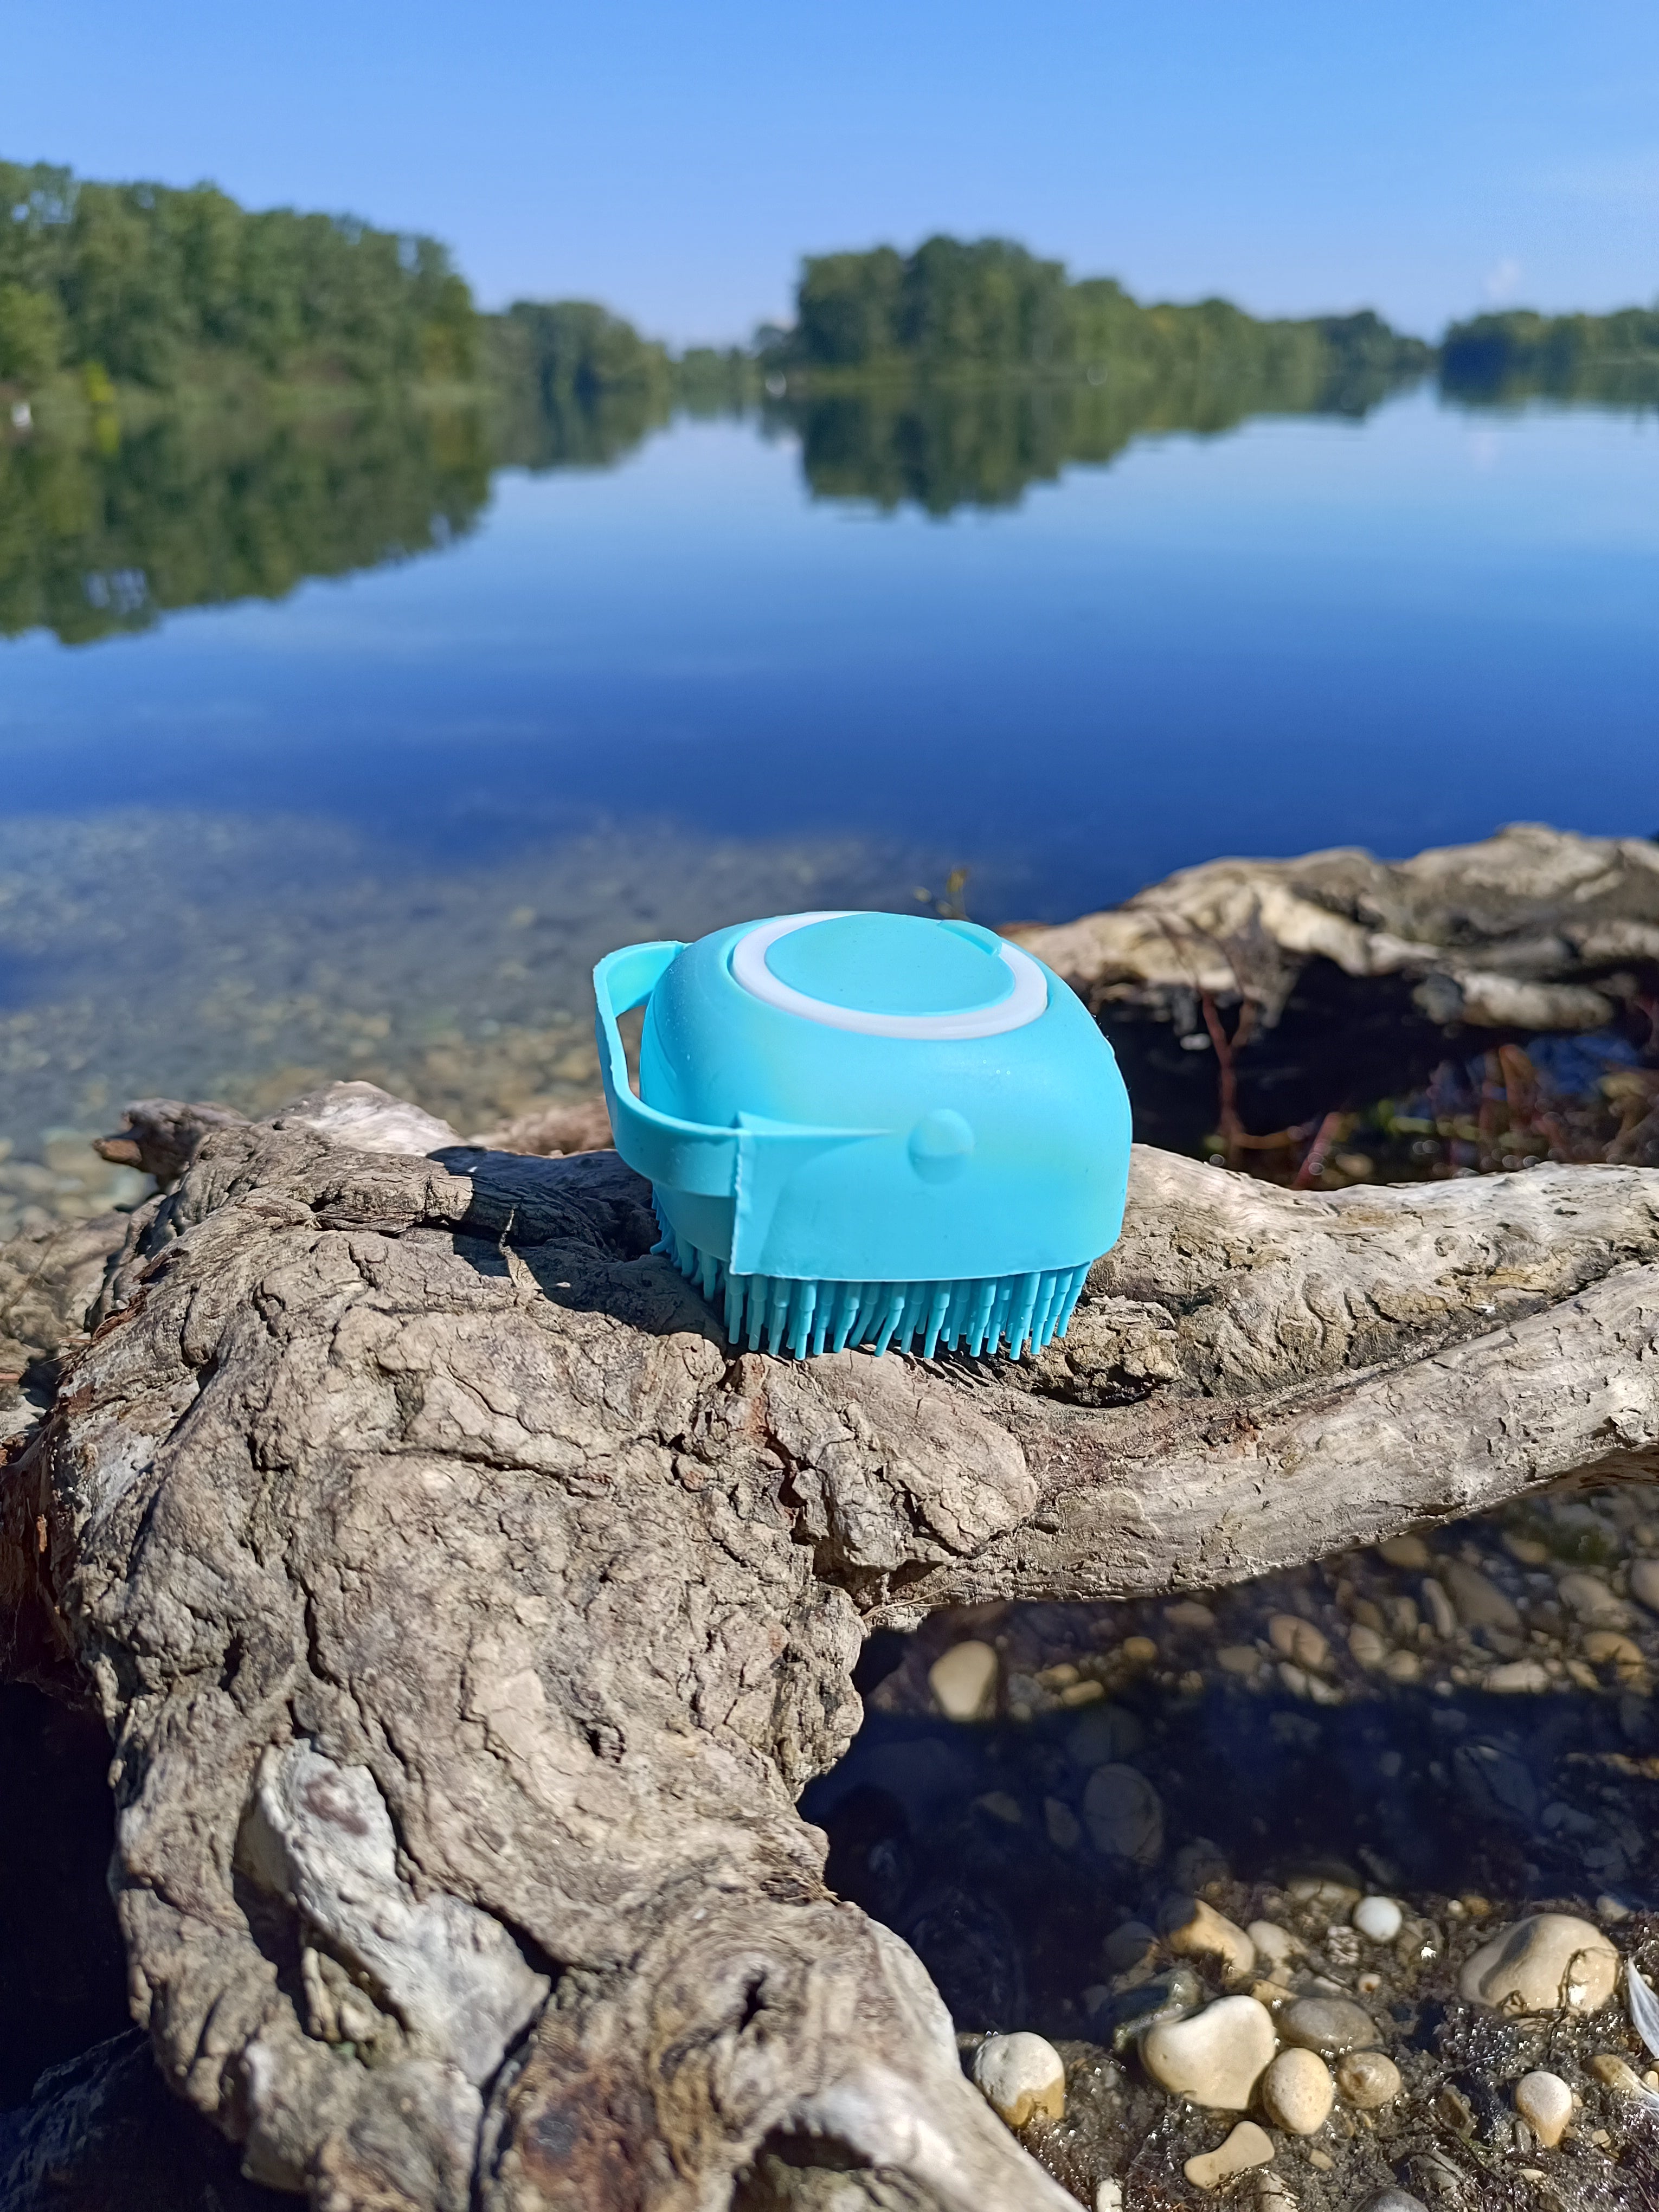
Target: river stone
{"type": "Point", "coordinates": [963, 1680]}
{"type": "Point", "coordinates": [1609, 1647]}
{"type": "Point", "coordinates": [1124, 1815]}
{"type": "Point", "coordinates": [1589, 1599]}
{"type": "Point", "coordinates": [1298, 2091]}
{"type": "Point", "coordinates": [1122, 2015]}
{"type": "Point", "coordinates": [1293, 1637]}
{"type": "Point", "coordinates": [1368, 2079]}
{"type": "Point", "coordinates": [1275, 1945]}
{"type": "Point", "coordinates": [1393, 2200]}
{"type": "Point", "coordinates": [1106, 1734]}
{"type": "Point", "coordinates": [1217, 2057]}
{"type": "Point", "coordinates": [1551, 1960]}
{"type": "Point", "coordinates": [1409, 1552]}
{"type": "Point", "coordinates": [1193, 1929]}
{"type": "Point", "coordinates": [1544, 2103]}
{"type": "Point", "coordinates": [1480, 1603]}
{"type": "Point", "coordinates": [1328, 2025]}
{"type": "Point", "coordinates": [1020, 2075]}
{"type": "Point", "coordinates": [1379, 1918]}
{"type": "Point", "coordinates": [1644, 1583]}
{"type": "Point", "coordinates": [1517, 1678]}
{"type": "Point", "coordinates": [1132, 1944]}
{"type": "Point", "coordinates": [1617, 2075]}
{"type": "Point", "coordinates": [1442, 1615]}
{"type": "Point", "coordinates": [1247, 2146]}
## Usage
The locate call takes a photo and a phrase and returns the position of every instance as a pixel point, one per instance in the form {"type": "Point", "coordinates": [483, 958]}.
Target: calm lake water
{"type": "Point", "coordinates": [416, 800]}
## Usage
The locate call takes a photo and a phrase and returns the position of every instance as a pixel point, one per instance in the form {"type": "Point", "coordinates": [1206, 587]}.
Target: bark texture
{"type": "Point", "coordinates": [1533, 929]}
{"type": "Point", "coordinates": [467, 1617]}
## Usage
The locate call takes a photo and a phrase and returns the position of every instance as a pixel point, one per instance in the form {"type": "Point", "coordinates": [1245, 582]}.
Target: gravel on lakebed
{"type": "Point", "coordinates": [1373, 1765]}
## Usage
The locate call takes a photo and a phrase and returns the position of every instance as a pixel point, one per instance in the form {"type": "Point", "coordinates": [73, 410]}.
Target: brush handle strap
{"type": "Point", "coordinates": [748, 1164]}
{"type": "Point", "coordinates": [686, 1156]}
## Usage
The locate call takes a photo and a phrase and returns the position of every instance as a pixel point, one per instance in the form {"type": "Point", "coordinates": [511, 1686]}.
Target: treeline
{"type": "Point", "coordinates": [152, 286]}
{"type": "Point", "coordinates": [1611, 358]}
{"type": "Point", "coordinates": [990, 309]}
{"type": "Point", "coordinates": [574, 384]}
{"type": "Point", "coordinates": [162, 289]}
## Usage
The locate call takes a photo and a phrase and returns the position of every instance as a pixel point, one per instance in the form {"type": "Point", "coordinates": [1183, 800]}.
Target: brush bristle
{"type": "Point", "coordinates": [976, 1315]}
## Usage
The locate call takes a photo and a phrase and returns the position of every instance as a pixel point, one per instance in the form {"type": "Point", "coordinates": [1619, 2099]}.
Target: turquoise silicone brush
{"type": "Point", "coordinates": [869, 1129]}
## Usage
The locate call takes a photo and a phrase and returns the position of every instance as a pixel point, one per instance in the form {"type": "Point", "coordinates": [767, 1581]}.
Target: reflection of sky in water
{"type": "Point", "coordinates": [1308, 631]}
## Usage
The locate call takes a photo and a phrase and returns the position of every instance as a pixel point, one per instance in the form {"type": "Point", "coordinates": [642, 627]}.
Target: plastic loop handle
{"type": "Point", "coordinates": [687, 1155]}
{"type": "Point", "coordinates": [690, 1155]}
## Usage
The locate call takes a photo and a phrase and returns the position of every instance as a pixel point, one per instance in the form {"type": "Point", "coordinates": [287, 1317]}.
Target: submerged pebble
{"type": "Point", "coordinates": [1120, 2016]}
{"type": "Point", "coordinates": [1217, 2057]}
{"type": "Point", "coordinates": [1408, 1552]}
{"type": "Point", "coordinates": [1519, 1677]}
{"type": "Point", "coordinates": [963, 1680]}
{"type": "Point", "coordinates": [1549, 1962]}
{"type": "Point", "coordinates": [1298, 2091]}
{"type": "Point", "coordinates": [1276, 1945]}
{"type": "Point", "coordinates": [1293, 1637]}
{"type": "Point", "coordinates": [1617, 2075]}
{"type": "Point", "coordinates": [1477, 1599]}
{"type": "Point", "coordinates": [1130, 1944]}
{"type": "Point", "coordinates": [1589, 1599]}
{"type": "Point", "coordinates": [1544, 2103]}
{"type": "Point", "coordinates": [1246, 2146]}
{"type": "Point", "coordinates": [1368, 2079]}
{"type": "Point", "coordinates": [1379, 1918]}
{"type": "Point", "coordinates": [1330, 2026]}
{"type": "Point", "coordinates": [1019, 2076]}
{"type": "Point", "coordinates": [1124, 1815]}
{"type": "Point", "coordinates": [1195, 1930]}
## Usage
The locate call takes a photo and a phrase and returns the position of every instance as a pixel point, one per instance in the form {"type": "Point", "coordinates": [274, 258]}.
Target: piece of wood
{"type": "Point", "coordinates": [1532, 929]}
{"type": "Point", "coordinates": [468, 1616]}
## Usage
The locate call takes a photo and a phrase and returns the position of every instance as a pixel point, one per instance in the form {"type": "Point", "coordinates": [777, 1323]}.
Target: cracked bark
{"type": "Point", "coordinates": [467, 1617]}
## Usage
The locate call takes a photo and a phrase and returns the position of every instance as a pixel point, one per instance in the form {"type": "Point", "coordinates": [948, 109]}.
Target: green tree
{"type": "Point", "coordinates": [989, 309]}
{"type": "Point", "coordinates": [162, 286]}
{"type": "Point", "coordinates": [32, 334]}
{"type": "Point", "coordinates": [1612, 358]}
{"type": "Point", "coordinates": [847, 307]}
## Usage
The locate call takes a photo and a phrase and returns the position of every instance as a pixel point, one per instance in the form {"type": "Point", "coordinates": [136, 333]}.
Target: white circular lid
{"type": "Point", "coordinates": [1010, 1007]}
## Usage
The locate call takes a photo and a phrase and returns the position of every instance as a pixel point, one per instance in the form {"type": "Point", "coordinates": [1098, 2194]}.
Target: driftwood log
{"type": "Point", "coordinates": [1532, 929]}
{"type": "Point", "coordinates": [467, 1617]}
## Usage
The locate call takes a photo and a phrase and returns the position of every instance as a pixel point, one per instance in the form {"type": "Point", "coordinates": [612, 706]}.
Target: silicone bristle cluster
{"type": "Point", "coordinates": [977, 1316]}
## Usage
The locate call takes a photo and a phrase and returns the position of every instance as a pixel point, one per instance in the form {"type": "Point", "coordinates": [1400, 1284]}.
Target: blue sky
{"type": "Point", "coordinates": [1428, 157]}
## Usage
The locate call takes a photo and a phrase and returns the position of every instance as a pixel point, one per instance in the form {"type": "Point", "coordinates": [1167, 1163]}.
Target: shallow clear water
{"type": "Point", "coordinates": [1393, 631]}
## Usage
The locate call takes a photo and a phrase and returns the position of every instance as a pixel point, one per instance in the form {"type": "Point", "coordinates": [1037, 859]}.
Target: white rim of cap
{"type": "Point", "coordinates": [1028, 999]}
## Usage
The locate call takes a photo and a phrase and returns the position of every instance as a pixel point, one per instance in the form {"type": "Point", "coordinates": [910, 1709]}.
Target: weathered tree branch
{"type": "Point", "coordinates": [467, 1617]}
{"type": "Point", "coordinates": [1534, 929]}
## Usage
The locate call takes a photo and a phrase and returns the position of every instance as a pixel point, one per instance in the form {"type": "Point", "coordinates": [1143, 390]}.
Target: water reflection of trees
{"type": "Point", "coordinates": [105, 525]}
{"type": "Point", "coordinates": [945, 446]}
{"type": "Point", "coordinates": [196, 508]}
{"type": "Point", "coordinates": [107, 528]}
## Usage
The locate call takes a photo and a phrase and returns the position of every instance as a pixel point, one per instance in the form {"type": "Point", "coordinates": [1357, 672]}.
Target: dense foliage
{"type": "Point", "coordinates": [151, 285]}
{"type": "Point", "coordinates": [990, 309]}
{"type": "Point", "coordinates": [1612, 358]}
